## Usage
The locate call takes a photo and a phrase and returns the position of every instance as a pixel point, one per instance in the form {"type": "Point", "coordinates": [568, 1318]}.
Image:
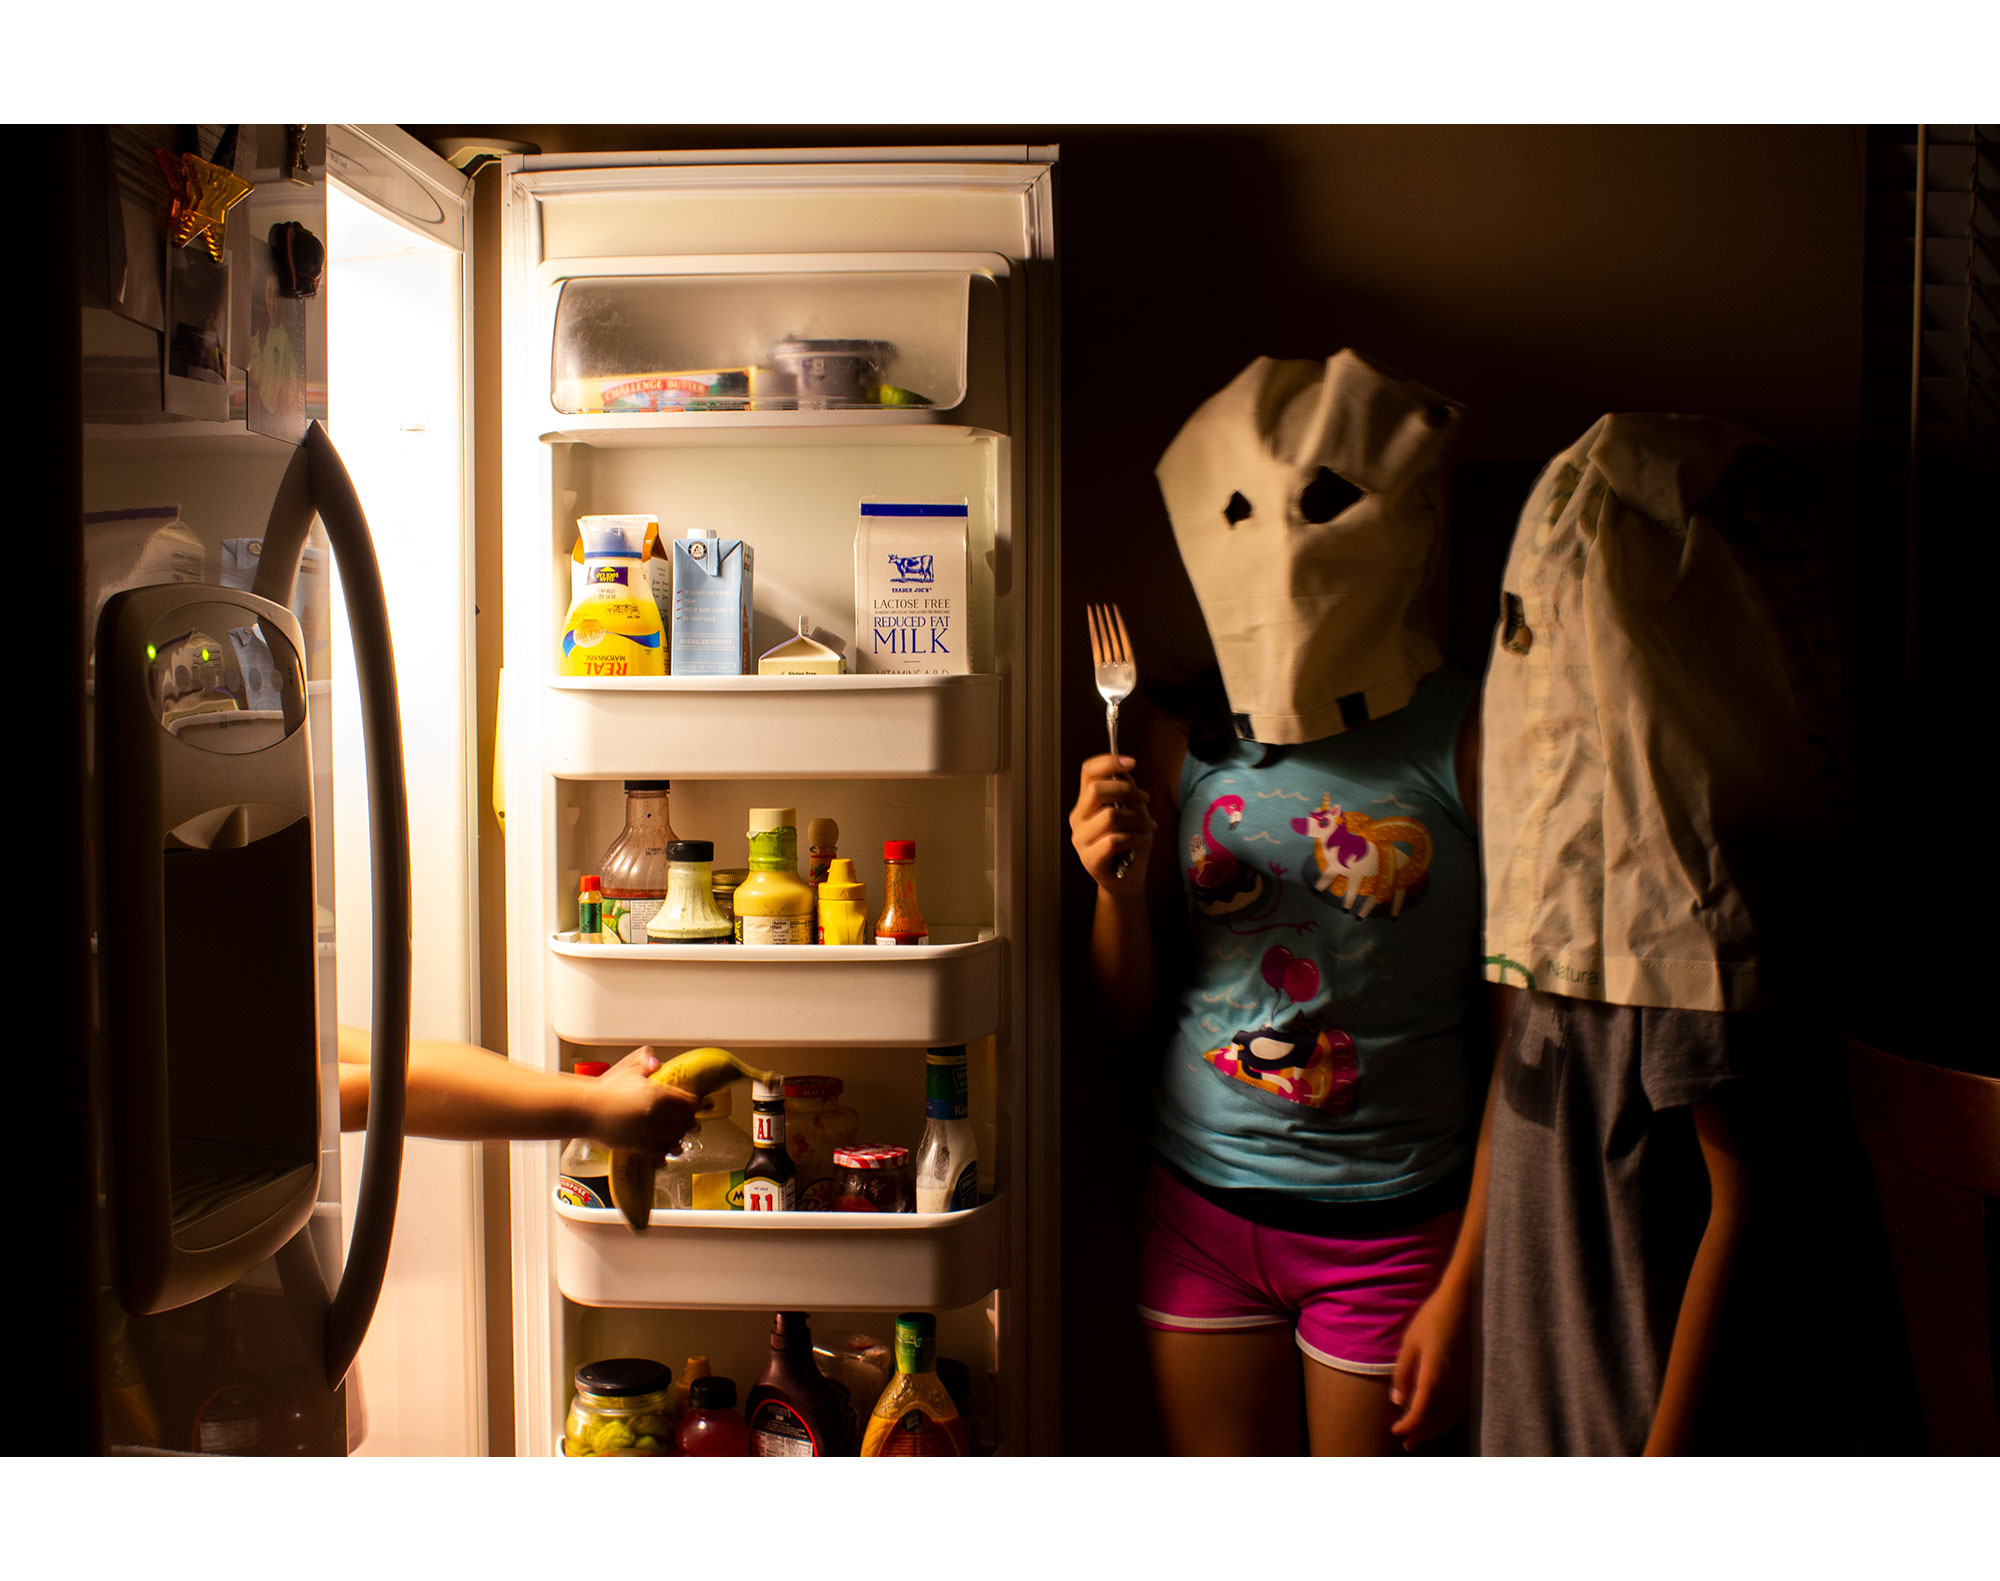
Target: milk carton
{"type": "Point", "coordinates": [711, 622]}
{"type": "Point", "coordinates": [910, 588]}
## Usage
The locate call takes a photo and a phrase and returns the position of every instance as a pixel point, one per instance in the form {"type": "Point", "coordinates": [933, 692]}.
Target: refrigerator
{"type": "Point", "coordinates": [614, 268]}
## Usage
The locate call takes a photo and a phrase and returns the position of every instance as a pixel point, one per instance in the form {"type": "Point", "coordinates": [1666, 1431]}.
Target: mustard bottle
{"type": "Point", "coordinates": [843, 905]}
{"type": "Point", "coordinates": [774, 905]}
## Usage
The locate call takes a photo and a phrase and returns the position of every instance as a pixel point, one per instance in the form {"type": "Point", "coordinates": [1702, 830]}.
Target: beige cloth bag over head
{"type": "Point", "coordinates": [1307, 502]}
{"type": "Point", "coordinates": [1652, 787]}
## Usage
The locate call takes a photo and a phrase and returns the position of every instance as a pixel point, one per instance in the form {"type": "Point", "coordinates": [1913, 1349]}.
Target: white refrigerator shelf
{"type": "Point", "coordinates": [761, 995]}
{"type": "Point", "coordinates": [649, 430]}
{"type": "Point", "coordinates": [851, 1262]}
{"type": "Point", "coordinates": [774, 726]}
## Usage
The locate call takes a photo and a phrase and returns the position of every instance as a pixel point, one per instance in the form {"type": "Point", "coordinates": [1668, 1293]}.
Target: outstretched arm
{"type": "Point", "coordinates": [465, 1093]}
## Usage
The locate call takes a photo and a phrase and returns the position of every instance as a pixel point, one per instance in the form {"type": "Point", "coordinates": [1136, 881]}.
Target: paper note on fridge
{"type": "Point", "coordinates": [910, 588]}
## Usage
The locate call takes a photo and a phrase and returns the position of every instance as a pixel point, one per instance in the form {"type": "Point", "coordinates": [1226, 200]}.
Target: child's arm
{"type": "Point", "coordinates": [465, 1093]}
{"type": "Point", "coordinates": [1112, 817]}
{"type": "Point", "coordinates": [1699, 1325]}
{"type": "Point", "coordinates": [1431, 1373]}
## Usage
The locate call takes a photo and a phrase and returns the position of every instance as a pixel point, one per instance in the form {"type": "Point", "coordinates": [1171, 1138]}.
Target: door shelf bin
{"type": "Point", "coordinates": [654, 430]}
{"type": "Point", "coordinates": [774, 726]}
{"type": "Point", "coordinates": [745, 996]}
{"type": "Point", "coordinates": [859, 1262]}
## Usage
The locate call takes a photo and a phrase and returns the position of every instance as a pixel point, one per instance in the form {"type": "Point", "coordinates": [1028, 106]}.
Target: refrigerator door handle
{"type": "Point", "coordinates": [317, 481]}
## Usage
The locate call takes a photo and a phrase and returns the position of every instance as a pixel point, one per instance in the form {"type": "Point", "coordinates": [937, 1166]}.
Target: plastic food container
{"type": "Point", "coordinates": [872, 1180]}
{"type": "Point", "coordinates": [621, 1408]}
{"type": "Point", "coordinates": [829, 374]}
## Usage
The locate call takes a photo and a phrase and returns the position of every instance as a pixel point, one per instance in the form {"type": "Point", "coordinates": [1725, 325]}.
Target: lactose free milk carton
{"type": "Point", "coordinates": [909, 588]}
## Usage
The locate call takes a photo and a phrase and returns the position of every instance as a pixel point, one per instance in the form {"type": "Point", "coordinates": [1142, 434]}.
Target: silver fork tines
{"type": "Point", "coordinates": [1111, 656]}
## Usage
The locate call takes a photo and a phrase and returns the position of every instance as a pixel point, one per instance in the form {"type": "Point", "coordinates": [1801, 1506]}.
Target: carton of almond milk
{"type": "Point", "coordinates": [910, 604]}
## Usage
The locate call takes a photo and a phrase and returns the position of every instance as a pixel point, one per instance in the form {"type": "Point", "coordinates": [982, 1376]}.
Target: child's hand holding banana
{"type": "Point", "coordinates": [648, 1106]}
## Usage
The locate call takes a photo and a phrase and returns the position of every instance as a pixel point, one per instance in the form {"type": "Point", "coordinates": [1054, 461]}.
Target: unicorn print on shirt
{"type": "Point", "coordinates": [1361, 858]}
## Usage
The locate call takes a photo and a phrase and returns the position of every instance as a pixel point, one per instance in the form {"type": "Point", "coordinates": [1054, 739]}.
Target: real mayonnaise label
{"type": "Point", "coordinates": [613, 626]}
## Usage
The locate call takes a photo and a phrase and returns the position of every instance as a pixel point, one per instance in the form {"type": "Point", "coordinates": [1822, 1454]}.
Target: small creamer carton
{"type": "Point", "coordinates": [910, 600]}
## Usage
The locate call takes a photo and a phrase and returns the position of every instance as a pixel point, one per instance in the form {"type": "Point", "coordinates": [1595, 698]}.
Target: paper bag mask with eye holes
{"type": "Point", "coordinates": [1307, 500]}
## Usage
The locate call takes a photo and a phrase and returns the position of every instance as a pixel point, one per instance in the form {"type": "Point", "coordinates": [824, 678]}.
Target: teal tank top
{"type": "Point", "coordinates": [1320, 1046]}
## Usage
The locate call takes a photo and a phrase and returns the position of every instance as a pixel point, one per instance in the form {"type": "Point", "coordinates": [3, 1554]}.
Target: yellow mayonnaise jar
{"type": "Point", "coordinates": [613, 626]}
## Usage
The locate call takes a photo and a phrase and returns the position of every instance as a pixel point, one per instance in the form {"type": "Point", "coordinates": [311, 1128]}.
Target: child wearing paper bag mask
{"type": "Point", "coordinates": [1306, 936]}
{"type": "Point", "coordinates": [1661, 754]}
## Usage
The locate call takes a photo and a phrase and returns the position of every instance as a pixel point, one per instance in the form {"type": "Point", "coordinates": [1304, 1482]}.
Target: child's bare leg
{"type": "Point", "coordinates": [1230, 1392]}
{"type": "Point", "coordinates": [1347, 1413]}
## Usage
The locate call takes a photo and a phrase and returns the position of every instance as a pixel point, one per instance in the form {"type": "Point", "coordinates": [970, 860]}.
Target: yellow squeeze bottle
{"type": "Point", "coordinates": [843, 905]}
{"type": "Point", "coordinates": [613, 626]}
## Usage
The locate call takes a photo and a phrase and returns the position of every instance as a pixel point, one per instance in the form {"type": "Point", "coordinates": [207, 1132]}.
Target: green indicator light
{"type": "Point", "coordinates": [204, 655]}
{"type": "Point", "coordinates": [152, 653]}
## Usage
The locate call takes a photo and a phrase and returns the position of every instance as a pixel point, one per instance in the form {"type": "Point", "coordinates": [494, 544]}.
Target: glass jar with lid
{"type": "Point", "coordinates": [872, 1180]}
{"type": "Point", "coordinates": [622, 1407]}
{"type": "Point", "coordinates": [726, 881]}
{"type": "Point", "coordinates": [816, 1123]}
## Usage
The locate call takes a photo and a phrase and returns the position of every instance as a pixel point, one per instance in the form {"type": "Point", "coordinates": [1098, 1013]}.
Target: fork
{"type": "Point", "coordinates": [1111, 655]}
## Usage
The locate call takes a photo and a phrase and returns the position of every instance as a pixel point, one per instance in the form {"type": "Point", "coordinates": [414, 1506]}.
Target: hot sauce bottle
{"type": "Point", "coordinates": [901, 922]}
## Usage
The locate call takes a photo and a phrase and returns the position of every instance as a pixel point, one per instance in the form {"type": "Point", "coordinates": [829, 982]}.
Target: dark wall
{"type": "Point", "coordinates": [1541, 276]}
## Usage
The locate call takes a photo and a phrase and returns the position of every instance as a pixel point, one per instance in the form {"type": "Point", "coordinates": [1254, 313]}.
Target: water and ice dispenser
{"type": "Point", "coordinates": [206, 936]}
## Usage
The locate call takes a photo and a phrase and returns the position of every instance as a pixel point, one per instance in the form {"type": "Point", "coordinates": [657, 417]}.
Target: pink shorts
{"type": "Point", "coordinates": [1204, 1269]}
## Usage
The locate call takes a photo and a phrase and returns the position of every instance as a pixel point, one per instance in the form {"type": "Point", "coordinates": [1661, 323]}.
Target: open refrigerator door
{"type": "Point", "coordinates": [206, 460]}
{"type": "Point", "coordinates": [754, 350]}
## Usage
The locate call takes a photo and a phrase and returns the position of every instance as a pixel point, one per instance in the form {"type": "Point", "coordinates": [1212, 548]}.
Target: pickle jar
{"type": "Point", "coordinates": [873, 1180]}
{"type": "Point", "coordinates": [622, 1407]}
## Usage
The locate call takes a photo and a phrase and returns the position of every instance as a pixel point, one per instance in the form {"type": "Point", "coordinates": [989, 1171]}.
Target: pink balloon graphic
{"type": "Point", "coordinates": [1277, 961]}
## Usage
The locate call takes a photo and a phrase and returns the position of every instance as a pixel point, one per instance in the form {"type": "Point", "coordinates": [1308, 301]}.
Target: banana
{"type": "Point", "coordinates": [700, 1072]}
{"type": "Point", "coordinates": [703, 1071]}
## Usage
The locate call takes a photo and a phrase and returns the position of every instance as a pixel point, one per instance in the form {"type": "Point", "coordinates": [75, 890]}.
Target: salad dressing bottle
{"type": "Point", "coordinates": [948, 1154]}
{"type": "Point", "coordinates": [634, 869]}
{"type": "Point", "coordinates": [687, 914]}
{"type": "Point", "coordinates": [915, 1415]}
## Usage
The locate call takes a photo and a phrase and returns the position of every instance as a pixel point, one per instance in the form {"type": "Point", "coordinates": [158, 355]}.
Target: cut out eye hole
{"type": "Point", "coordinates": [1327, 496]}
{"type": "Point", "coordinates": [1236, 510]}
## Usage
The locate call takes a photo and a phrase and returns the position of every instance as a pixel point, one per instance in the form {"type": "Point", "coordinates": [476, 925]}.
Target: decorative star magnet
{"type": "Point", "coordinates": [203, 194]}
